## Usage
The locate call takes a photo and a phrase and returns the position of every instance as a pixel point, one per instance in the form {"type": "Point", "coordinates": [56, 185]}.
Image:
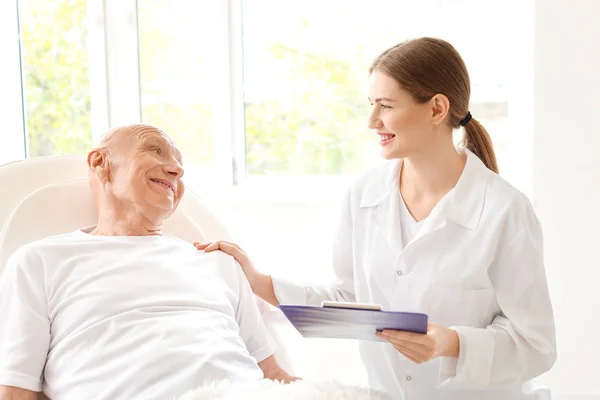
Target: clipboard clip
{"type": "Point", "coordinates": [351, 305]}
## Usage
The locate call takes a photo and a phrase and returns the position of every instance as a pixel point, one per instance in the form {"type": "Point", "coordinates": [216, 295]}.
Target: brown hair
{"type": "Point", "coordinates": [427, 66]}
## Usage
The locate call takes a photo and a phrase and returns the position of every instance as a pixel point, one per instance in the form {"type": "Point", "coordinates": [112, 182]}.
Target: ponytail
{"type": "Point", "coordinates": [414, 64]}
{"type": "Point", "coordinates": [478, 141]}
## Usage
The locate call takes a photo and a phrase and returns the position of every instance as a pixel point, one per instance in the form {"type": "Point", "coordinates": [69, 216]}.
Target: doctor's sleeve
{"type": "Point", "coordinates": [25, 326]}
{"type": "Point", "coordinates": [342, 286]}
{"type": "Point", "coordinates": [520, 343]}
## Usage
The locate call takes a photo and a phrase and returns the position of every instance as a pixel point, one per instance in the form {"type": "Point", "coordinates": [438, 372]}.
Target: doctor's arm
{"type": "Point", "coordinates": [520, 342]}
{"type": "Point", "coordinates": [277, 290]}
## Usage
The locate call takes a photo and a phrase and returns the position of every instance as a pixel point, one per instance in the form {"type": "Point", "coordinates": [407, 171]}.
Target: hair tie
{"type": "Point", "coordinates": [466, 119]}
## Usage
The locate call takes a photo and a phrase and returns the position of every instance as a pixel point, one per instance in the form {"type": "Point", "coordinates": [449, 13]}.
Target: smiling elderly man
{"type": "Point", "coordinates": [121, 310]}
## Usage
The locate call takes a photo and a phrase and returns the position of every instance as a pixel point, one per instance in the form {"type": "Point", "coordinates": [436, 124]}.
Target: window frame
{"type": "Point", "coordinates": [121, 62]}
{"type": "Point", "coordinates": [14, 143]}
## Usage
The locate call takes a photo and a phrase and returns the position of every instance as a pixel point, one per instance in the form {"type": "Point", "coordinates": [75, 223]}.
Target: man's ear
{"type": "Point", "coordinates": [440, 107]}
{"type": "Point", "coordinates": [98, 163]}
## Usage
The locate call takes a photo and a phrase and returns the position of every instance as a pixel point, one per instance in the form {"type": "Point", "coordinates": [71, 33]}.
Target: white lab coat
{"type": "Point", "coordinates": [475, 265]}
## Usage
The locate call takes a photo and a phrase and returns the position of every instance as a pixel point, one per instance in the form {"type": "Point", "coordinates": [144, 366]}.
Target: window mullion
{"type": "Point", "coordinates": [236, 76]}
{"type": "Point", "coordinates": [122, 62]}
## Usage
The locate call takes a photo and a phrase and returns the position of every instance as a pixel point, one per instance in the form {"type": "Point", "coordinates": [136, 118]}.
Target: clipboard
{"type": "Point", "coordinates": [350, 321]}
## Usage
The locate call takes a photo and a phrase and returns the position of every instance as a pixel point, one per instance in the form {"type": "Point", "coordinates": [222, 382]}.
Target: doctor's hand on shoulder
{"type": "Point", "coordinates": [439, 341]}
{"type": "Point", "coordinates": [236, 252]}
{"type": "Point", "coordinates": [261, 284]}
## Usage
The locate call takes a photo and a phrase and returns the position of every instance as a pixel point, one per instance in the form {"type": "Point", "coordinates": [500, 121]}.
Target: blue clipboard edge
{"type": "Point", "coordinates": [299, 315]}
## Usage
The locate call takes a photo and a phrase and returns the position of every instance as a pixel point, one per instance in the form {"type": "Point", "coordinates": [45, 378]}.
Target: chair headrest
{"type": "Point", "coordinates": [66, 206]}
{"type": "Point", "coordinates": [25, 176]}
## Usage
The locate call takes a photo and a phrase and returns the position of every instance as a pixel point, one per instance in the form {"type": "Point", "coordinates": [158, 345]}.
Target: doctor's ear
{"type": "Point", "coordinates": [440, 107]}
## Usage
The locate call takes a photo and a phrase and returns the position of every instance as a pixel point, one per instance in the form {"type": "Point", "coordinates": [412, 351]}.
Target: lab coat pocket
{"type": "Point", "coordinates": [457, 306]}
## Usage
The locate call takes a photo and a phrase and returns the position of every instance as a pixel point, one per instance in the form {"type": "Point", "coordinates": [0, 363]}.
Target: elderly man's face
{"type": "Point", "coordinates": [146, 170]}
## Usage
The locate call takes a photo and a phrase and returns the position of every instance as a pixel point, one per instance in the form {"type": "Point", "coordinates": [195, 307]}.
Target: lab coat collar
{"type": "Point", "coordinates": [463, 204]}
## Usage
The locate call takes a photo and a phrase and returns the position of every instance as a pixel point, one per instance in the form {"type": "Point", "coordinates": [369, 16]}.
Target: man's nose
{"type": "Point", "coordinates": [174, 169]}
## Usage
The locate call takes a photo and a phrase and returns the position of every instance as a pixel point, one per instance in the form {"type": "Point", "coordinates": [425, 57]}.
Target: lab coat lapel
{"type": "Point", "coordinates": [382, 200]}
{"type": "Point", "coordinates": [463, 204]}
{"type": "Point", "coordinates": [436, 220]}
{"type": "Point", "coordinates": [382, 196]}
{"type": "Point", "coordinates": [387, 219]}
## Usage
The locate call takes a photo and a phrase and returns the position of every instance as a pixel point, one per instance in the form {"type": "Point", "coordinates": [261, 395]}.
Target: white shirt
{"type": "Point", "coordinates": [408, 224]}
{"type": "Point", "coordinates": [475, 265]}
{"type": "Point", "coordinates": [139, 317]}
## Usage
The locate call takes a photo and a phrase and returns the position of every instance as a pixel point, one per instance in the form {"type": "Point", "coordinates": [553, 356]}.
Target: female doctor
{"type": "Point", "coordinates": [436, 230]}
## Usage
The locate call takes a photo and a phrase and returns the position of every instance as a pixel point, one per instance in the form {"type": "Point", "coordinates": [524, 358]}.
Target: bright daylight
{"type": "Point", "coordinates": [277, 199]}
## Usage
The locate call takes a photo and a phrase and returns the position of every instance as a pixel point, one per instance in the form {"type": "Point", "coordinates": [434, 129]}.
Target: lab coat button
{"type": "Point", "coordinates": [399, 273]}
{"type": "Point", "coordinates": [408, 378]}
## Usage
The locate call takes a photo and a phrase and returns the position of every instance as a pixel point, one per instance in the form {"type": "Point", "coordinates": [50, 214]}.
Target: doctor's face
{"type": "Point", "coordinates": [401, 124]}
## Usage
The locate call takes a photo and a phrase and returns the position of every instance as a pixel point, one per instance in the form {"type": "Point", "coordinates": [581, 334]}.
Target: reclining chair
{"type": "Point", "coordinates": [49, 195]}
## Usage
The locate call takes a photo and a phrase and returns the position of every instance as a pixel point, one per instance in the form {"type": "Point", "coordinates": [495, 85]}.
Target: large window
{"type": "Point", "coordinates": [55, 72]}
{"type": "Point", "coordinates": [306, 74]}
{"type": "Point", "coordinates": [247, 96]}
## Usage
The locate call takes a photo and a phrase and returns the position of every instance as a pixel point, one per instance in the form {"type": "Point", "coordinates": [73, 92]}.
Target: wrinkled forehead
{"type": "Point", "coordinates": [130, 137]}
{"type": "Point", "coordinates": [157, 137]}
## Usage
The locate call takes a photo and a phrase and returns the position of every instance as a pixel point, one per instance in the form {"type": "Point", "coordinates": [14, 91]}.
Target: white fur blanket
{"type": "Point", "coordinates": [273, 390]}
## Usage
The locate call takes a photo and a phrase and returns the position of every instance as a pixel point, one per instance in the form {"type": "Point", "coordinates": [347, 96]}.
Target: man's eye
{"type": "Point", "coordinates": [157, 150]}
{"type": "Point", "coordinates": [384, 106]}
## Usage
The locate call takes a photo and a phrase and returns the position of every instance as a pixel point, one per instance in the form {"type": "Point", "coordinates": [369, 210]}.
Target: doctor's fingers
{"type": "Point", "coordinates": [422, 339]}
{"type": "Point", "coordinates": [215, 244]}
{"type": "Point", "coordinates": [230, 248]}
{"type": "Point", "coordinates": [408, 353]}
{"type": "Point", "coordinates": [207, 246]}
{"type": "Point", "coordinates": [404, 335]}
{"type": "Point", "coordinates": [210, 245]}
{"type": "Point", "coordinates": [423, 350]}
{"type": "Point", "coordinates": [417, 355]}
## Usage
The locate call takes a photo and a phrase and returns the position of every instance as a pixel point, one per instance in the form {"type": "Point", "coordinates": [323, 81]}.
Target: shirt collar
{"type": "Point", "coordinates": [463, 204]}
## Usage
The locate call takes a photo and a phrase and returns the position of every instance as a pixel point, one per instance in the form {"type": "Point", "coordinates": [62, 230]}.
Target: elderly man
{"type": "Point", "coordinates": [121, 310]}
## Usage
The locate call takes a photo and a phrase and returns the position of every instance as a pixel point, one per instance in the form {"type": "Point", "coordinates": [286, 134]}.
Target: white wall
{"type": "Point", "coordinates": [566, 182]}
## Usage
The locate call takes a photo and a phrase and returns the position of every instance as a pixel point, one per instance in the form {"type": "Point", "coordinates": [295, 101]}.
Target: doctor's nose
{"type": "Point", "coordinates": [374, 121]}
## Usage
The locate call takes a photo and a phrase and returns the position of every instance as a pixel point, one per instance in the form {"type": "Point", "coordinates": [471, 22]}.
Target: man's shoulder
{"type": "Point", "coordinates": [223, 260]}
{"type": "Point", "coordinates": [223, 265]}
{"type": "Point", "coordinates": [175, 241]}
{"type": "Point", "coordinates": [25, 254]}
{"type": "Point", "coordinates": [217, 257]}
{"type": "Point", "coordinates": [41, 244]}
